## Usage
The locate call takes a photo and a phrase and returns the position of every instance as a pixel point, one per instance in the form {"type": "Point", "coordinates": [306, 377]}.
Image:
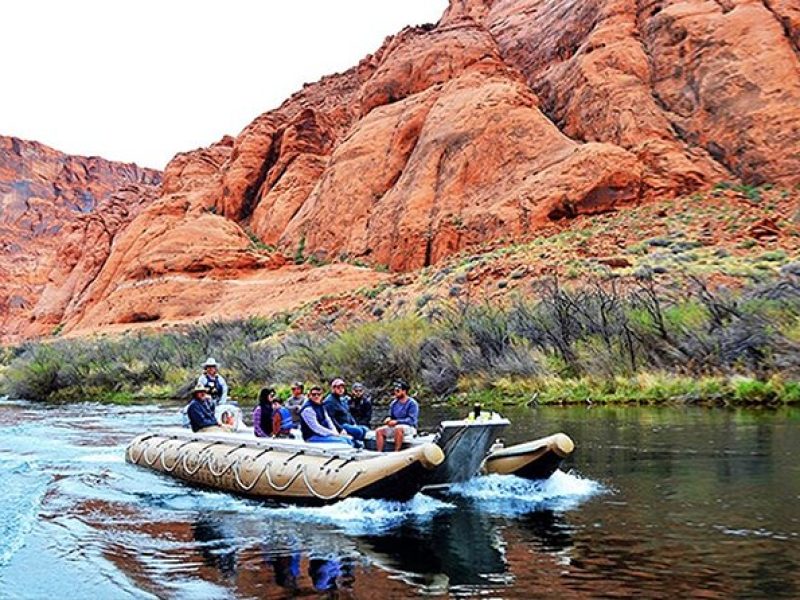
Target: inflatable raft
{"type": "Point", "coordinates": [537, 459]}
{"type": "Point", "coordinates": [283, 469]}
{"type": "Point", "coordinates": [291, 470]}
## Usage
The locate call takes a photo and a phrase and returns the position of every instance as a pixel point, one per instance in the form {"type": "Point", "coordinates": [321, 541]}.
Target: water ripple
{"type": "Point", "coordinates": [24, 489]}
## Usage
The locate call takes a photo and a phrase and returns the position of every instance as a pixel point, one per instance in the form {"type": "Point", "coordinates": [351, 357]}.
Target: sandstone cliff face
{"type": "Point", "coordinates": [510, 113]}
{"type": "Point", "coordinates": [48, 198]}
{"type": "Point", "coordinates": [503, 117]}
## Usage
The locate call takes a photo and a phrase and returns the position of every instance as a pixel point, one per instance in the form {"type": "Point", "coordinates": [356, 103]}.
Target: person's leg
{"type": "Point", "coordinates": [356, 431]}
{"type": "Point", "coordinates": [329, 439]}
{"type": "Point", "coordinates": [380, 436]}
{"type": "Point", "coordinates": [398, 438]}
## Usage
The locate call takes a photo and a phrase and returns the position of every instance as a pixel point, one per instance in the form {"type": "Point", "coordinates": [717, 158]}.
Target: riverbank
{"type": "Point", "coordinates": [644, 389]}
{"type": "Point", "coordinates": [615, 340]}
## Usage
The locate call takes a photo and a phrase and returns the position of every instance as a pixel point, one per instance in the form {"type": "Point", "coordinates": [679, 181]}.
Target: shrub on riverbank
{"type": "Point", "coordinates": [154, 365]}
{"type": "Point", "coordinates": [611, 341]}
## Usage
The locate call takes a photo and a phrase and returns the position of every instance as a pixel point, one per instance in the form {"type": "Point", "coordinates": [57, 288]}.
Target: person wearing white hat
{"type": "Point", "coordinates": [214, 382]}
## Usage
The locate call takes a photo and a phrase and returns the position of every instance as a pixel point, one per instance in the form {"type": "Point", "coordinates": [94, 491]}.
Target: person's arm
{"type": "Point", "coordinates": [257, 423]}
{"type": "Point", "coordinates": [310, 417]}
{"type": "Point", "coordinates": [345, 416]}
{"type": "Point", "coordinates": [223, 398]}
{"type": "Point", "coordinates": [412, 415]}
{"type": "Point", "coordinates": [331, 423]}
{"type": "Point", "coordinates": [194, 417]}
{"type": "Point", "coordinates": [327, 404]}
{"type": "Point", "coordinates": [390, 417]}
{"type": "Point", "coordinates": [334, 411]}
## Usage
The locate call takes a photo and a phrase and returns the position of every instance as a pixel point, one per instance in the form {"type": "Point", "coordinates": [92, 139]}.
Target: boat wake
{"type": "Point", "coordinates": [503, 495]}
{"type": "Point", "coordinates": [508, 495]}
{"type": "Point", "coordinates": [357, 516]}
{"type": "Point", "coordinates": [23, 491]}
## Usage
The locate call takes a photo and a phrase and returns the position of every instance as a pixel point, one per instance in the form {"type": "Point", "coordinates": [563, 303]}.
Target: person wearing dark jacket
{"type": "Point", "coordinates": [201, 410]}
{"type": "Point", "coordinates": [315, 423]}
{"type": "Point", "coordinates": [337, 405]}
{"type": "Point", "coordinates": [360, 405]}
{"type": "Point", "coordinates": [262, 414]}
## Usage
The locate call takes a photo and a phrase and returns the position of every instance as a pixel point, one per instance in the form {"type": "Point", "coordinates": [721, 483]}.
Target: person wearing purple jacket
{"type": "Point", "coordinates": [402, 420]}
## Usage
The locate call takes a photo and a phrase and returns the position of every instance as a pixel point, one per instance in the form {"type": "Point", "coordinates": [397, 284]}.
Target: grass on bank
{"type": "Point", "coordinates": [611, 341]}
{"type": "Point", "coordinates": [643, 389]}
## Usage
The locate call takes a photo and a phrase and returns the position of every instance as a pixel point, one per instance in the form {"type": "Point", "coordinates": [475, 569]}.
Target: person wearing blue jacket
{"type": "Point", "coordinates": [337, 405]}
{"type": "Point", "coordinates": [200, 410]}
{"type": "Point", "coordinates": [402, 420]}
{"type": "Point", "coordinates": [282, 423]}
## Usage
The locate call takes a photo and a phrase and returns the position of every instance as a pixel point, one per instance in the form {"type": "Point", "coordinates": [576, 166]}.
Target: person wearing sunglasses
{"type": "Point", "coordinates": [315, 423]}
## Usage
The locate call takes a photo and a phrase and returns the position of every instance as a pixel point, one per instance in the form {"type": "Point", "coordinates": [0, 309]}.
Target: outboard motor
{"type": "Point", "coordinates": [465, 443]}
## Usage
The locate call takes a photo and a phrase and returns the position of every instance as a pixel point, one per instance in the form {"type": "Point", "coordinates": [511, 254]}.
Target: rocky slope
{"type": "Point", "coordinates": [58, 211]}
{"type": "Point", "coordinates": [505, 118]}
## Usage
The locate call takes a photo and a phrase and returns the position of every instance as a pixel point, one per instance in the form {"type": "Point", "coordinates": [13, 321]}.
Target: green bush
{"type": "Point", "coordinates": [753, 391]}
{"type": "Point", "coordinates": [639, 341]}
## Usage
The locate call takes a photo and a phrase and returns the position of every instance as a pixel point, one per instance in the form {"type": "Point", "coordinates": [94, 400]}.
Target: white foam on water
{"type": "Point", "coordinates": [23, 492]}
{"type": "Point", "coordinates": [360, 516]}
{"type": "Point", "coordinates": [105, 457]}
{"type": "Point", "coordinates": [509, 495]}
{"type": "Point", "coordinates": [6, 401]}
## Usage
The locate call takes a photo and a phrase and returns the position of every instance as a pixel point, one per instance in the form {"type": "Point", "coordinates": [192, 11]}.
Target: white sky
{"type": "Point", "coordinates": [141, 81]}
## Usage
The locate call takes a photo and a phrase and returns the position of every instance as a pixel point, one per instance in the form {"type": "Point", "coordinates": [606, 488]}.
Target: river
{"type": "Point", "coordinates": [656, 503]}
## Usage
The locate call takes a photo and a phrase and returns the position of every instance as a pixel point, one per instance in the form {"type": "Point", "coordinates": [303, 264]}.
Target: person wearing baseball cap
{"type": "Point", "coordinates": [360, 404]}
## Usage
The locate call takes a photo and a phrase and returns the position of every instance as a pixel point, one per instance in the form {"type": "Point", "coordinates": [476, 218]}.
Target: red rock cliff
{"type": "Point", "coordinates": [57, 210]}
{"type": "Point", "coordinates": [504, 116]}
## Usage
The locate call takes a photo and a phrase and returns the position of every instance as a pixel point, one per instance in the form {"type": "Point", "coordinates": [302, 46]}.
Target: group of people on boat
{"type": "Point", "coordinates": [335, 417]}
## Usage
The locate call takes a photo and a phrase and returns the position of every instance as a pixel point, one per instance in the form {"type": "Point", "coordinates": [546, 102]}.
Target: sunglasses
{"type": "Point", "coordinates": [316, 393]}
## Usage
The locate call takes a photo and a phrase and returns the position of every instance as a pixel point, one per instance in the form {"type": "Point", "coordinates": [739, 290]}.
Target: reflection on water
{"type": "Point", "coordinates": [659, 503]}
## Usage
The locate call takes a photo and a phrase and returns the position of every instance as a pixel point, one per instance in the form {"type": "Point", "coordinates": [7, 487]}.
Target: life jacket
{"type": "Point", "coordinates": [286, 418]}
{"type": "Point", "coordinates": [319, 410]}
{"type": "Point", "coordinates": [214, 387]}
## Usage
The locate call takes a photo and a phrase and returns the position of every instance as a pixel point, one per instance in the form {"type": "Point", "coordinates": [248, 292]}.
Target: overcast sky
{"type": "Point", "coordinates": [140, 81]}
